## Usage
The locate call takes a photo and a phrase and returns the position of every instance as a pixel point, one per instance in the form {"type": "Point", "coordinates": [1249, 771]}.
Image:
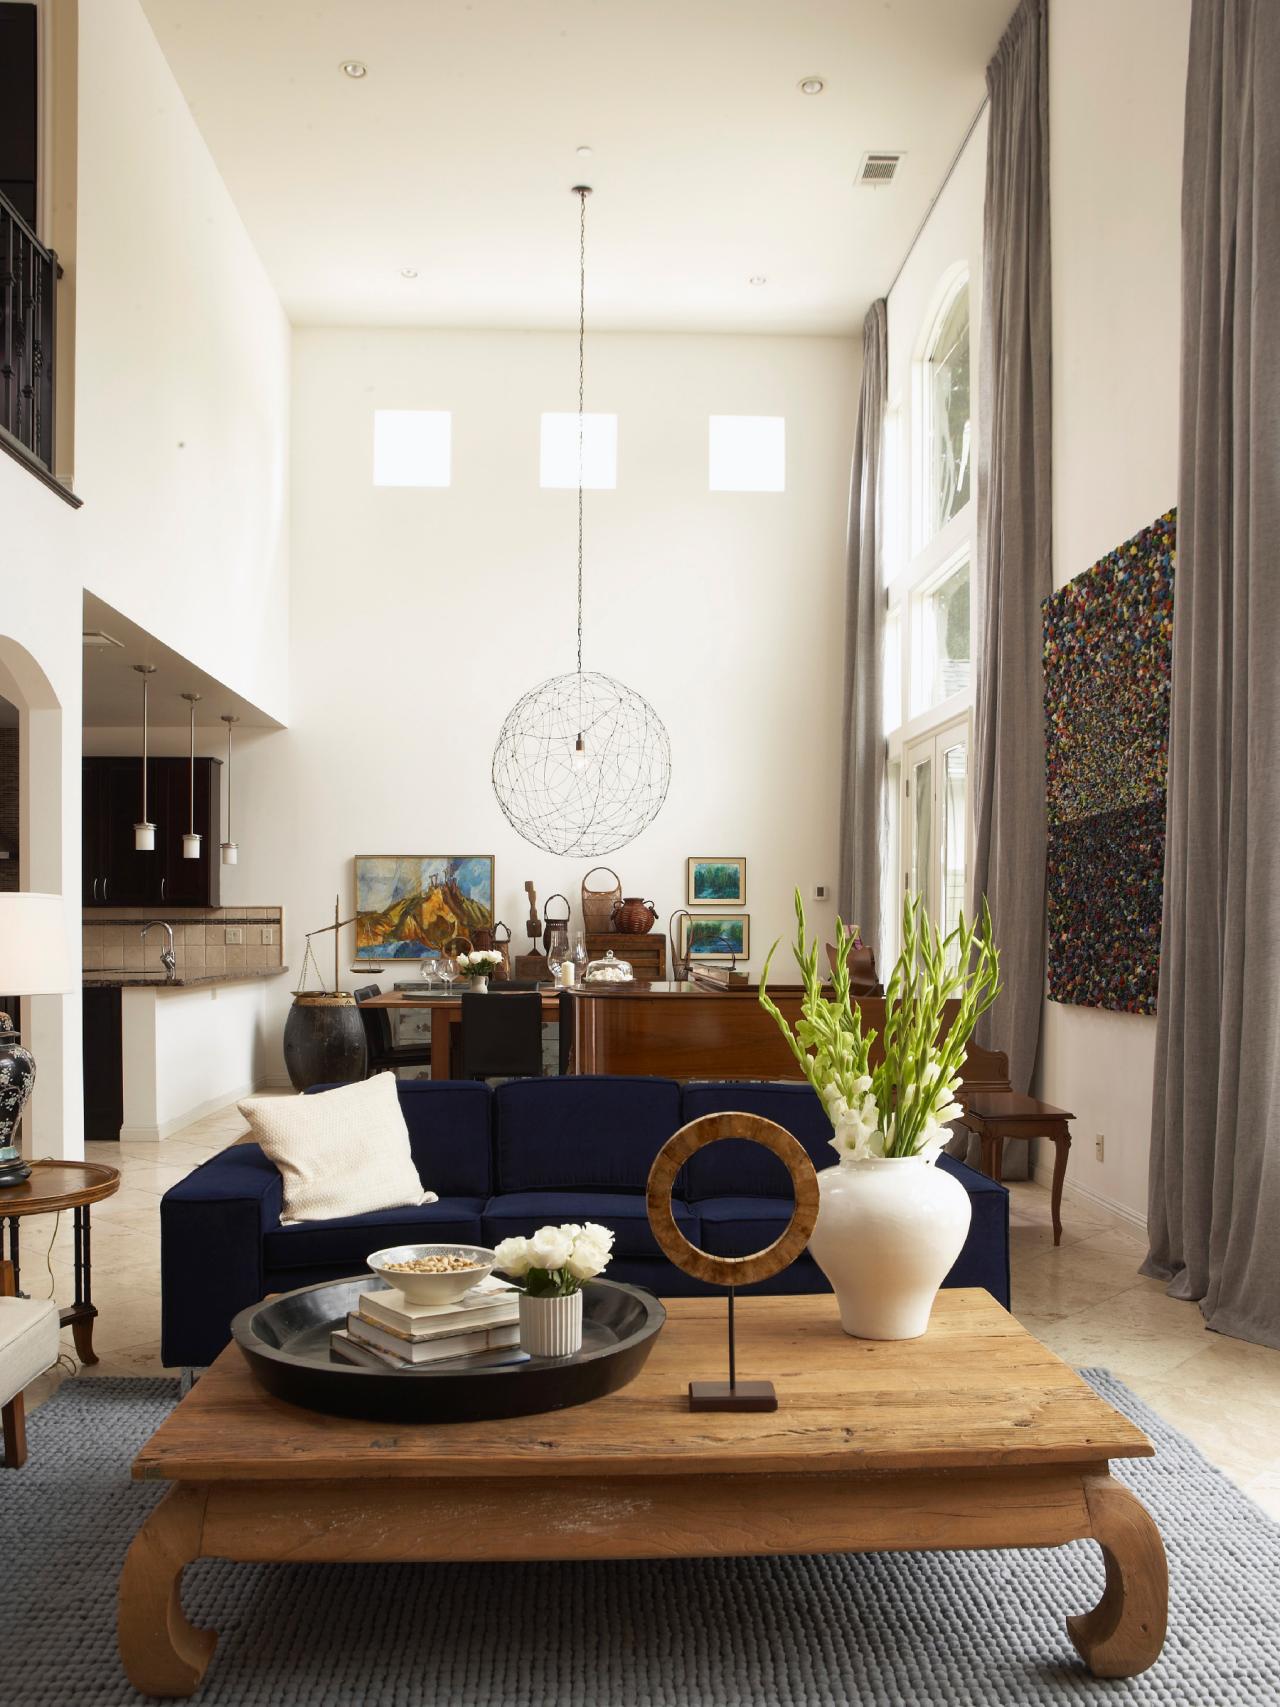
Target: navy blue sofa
{"type": "Point", "coordinates": [506, 1161]}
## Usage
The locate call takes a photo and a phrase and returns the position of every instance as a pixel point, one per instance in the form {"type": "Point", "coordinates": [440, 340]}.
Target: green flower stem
{"type": "Point", "coordinates": [832, 1049]}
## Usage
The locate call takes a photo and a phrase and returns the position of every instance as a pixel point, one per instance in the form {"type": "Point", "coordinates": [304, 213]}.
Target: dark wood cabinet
{"type": "Point", "coordinates": [115, 873]}
{"type": "Point", "coordinates": [103, 1069]}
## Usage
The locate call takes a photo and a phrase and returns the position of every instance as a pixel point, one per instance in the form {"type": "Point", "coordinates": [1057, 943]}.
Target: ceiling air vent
{"type": "Point", "coordinates": [877, 170]}
{"type": "Point", "coordinates": [99, 638]}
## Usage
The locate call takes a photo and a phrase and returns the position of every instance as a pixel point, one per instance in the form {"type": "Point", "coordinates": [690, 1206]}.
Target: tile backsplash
{"type": "Point", "coordinates": [205, 939]}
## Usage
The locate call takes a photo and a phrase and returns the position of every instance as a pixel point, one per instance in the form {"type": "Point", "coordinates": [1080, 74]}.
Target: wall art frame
{"type": "Point", "coordinates": [408, 906]}
{"type": "Point", "coordinates": [716, 880]}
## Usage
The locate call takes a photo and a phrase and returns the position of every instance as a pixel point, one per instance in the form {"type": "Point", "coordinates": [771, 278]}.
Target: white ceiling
{"type": "Point", "coordinates": [455, 155]}
{"type": "Point", "coordinates": [113, 688]}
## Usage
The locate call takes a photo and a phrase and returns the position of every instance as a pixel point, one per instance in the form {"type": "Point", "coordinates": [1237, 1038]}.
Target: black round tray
{"type": "Point", "coordinates": [286, 1340]}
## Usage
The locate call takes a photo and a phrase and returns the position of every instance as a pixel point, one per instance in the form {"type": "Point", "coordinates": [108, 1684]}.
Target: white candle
{"type": "Point", "coordinates": [568, 972]}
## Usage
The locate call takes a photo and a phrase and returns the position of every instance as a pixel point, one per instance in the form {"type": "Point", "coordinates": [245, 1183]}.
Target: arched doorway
{"type": "Point", "coordinates": [38, 857]}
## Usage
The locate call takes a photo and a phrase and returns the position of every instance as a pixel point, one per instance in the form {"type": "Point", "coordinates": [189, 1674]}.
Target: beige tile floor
{"type": "Point", "coordinates": [1085, 1300]}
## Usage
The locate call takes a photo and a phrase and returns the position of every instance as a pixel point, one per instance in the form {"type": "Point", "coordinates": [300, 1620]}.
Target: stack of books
{"type": "Point", "coordinates": [386, 1331]}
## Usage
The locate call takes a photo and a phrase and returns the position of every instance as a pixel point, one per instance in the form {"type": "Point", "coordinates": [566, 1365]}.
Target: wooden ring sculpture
{"type": "Point", "coordinates": [732, 1271]}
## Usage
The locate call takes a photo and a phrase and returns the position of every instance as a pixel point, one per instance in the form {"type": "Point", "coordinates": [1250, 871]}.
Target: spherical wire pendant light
{"type": "Point", "coordinates": [582, 762]}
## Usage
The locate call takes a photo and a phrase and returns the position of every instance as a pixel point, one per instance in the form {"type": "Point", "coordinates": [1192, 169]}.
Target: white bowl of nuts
{"type": "Point", "coordinates": [432, 1274]}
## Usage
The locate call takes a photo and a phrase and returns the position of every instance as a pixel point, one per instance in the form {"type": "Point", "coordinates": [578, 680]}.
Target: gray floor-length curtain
{"type": "Point", "coordinates": [862, 755]}
{"type": "Point", "coordinates": [1214, 1204]}
{"type": "Point", "coordinates": [1014, 547]}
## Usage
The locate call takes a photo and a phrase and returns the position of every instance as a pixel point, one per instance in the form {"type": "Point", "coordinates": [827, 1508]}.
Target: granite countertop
{"type": "Point", "coordinates": [153, 980]}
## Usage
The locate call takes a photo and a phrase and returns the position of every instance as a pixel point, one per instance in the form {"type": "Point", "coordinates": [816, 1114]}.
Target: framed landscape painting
{"type": "Point", "coordinates": [717, 881]}
{"type": "Point", "coordinates": [716, 936]}
{"type": "Point", "coordinates": [411, 905]}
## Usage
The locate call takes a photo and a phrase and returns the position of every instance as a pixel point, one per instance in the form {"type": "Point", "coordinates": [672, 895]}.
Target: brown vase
{"type": "Point", "coordinates": [633, 916]}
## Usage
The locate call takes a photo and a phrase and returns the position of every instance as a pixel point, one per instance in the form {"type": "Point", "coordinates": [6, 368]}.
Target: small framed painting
{"type": "Point", "coordinates": [717, 881]}
{"type": "Point", "coordinates": [716, 936]}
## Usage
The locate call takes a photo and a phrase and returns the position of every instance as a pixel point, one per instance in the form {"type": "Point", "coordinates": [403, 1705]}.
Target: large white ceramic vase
{"type": "Point", "coordinates": [889, 1229]}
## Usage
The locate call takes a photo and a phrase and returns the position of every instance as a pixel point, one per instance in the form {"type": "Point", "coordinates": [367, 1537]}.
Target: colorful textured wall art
{"type": "Point", "coordinates": [1108, 654]}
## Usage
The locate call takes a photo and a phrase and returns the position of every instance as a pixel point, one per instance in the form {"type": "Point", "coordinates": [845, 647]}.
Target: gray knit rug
{"type": "Point", "coordinates": [900, 1630]}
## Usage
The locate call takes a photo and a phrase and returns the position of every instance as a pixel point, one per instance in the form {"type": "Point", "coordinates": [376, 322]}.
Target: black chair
{"type": "Point", "coordinates": [384, 1055]}
{"type": "Point", "coordinates": [502, 1036]}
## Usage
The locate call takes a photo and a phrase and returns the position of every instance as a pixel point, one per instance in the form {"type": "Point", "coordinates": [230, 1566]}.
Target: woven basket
{"type": "Point", "coordinates": [597, 904]}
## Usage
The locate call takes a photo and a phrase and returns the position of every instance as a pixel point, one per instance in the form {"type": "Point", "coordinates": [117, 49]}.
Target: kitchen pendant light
{"type": "Point", "coordinates": [230, 852]}
{"type": "Point", "coordinates": [582, 763]}
{"type": "Point", "coordinates": [191, 841]}
{"type": "Point", "coordinates": [144, 831]}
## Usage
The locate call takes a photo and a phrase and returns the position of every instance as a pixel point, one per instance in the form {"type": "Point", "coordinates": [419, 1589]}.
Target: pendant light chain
{"type": "Point", "coordinates": [583, 193]}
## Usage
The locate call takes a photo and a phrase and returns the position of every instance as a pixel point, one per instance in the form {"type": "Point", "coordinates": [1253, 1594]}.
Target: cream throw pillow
{"type": "Point", "coordinates": [340, 1153]}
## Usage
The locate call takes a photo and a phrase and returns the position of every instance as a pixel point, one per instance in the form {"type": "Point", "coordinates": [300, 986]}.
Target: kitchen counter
{"type": "Point", "coordinates": [152, 980]}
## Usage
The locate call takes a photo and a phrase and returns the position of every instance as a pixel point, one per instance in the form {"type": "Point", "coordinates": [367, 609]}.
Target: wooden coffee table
{"type": "Point", "coordinates": [974, 1436]}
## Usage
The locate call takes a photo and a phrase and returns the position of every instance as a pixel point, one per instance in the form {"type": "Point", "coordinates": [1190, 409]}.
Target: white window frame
{"type": "Point", "coordinates": [915, 563]}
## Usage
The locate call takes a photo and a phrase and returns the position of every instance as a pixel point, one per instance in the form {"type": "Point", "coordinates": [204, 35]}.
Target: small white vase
{"type": "Point", "coordinates": [551, 1327]}
{"type": "Point", "coordinates": [889, 1229]}
{"type": "Point", "coordinates": [479, 986]}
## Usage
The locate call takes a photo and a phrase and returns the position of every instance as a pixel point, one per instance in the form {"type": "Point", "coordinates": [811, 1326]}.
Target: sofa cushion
{"type": "Point", "coordinates": [520, 1213]}
{"type": "Point", "coordinates": [741, 1226]}
{"type": "Point", "coordinates": [738, 1168]}
{"type": "Point", "coordinates": [451, 1134]}
{"type": "Point", "coordinates": [450, 1124]}
{"type": "Point", "coordinates": [311, 1244]}
{"type": "Point", "coordinates": [582, 1133]}
{"type": "Point", "coordinates": [28, 1342]}
{"type": "Point", "coordinates": [346, 1153]}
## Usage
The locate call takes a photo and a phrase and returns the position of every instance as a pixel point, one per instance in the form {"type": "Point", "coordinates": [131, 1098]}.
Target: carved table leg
{"type": "Point", "coordinates": [1125, 1632]}
{"type": "Point", "coordinates": [1061, 1136]}
{"type": "Point", "coordinates": [162, 1653]}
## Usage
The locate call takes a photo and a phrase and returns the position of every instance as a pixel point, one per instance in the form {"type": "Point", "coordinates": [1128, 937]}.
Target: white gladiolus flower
{"type": "Point", "coordinates": [550, 1247]}
{"type": "Point", "coordinates": [513, 1256]}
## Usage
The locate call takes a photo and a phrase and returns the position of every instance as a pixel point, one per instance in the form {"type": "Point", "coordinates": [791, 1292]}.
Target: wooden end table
{"type": "Point", "coordinates": [49, 1187]}
{"type": "Point", "coordinates": [994, 1116]}
{"type": "Point", "coordinates": [973, 1436]}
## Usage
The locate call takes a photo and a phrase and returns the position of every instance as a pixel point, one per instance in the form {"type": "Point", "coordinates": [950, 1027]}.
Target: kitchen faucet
{"type": "Point", "coordinates": [167, 957]}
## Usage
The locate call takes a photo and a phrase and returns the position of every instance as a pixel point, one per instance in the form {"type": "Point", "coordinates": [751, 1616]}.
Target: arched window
{"type": "Point", "coordinates": [947, 434]}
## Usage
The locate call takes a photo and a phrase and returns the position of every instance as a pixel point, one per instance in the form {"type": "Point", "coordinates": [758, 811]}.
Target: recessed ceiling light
{"type": "Point", "coordinates": [408, 272]}
{"type": "Point", "coordinates": [354, 68]}
{"type": "Point", "coordinates": [811, 85]}
{"type": "Point", "coordinates": [585, 151]}
{"type": "Point", "coordinates": [757, 279]}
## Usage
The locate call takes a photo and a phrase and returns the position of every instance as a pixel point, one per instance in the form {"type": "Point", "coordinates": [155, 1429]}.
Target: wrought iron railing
{"type": "Point", "coordinates": [28, 289]}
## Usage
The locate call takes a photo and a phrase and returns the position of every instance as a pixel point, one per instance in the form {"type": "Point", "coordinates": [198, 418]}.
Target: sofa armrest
{"type": "Point", "coordinates": [211, 1230]}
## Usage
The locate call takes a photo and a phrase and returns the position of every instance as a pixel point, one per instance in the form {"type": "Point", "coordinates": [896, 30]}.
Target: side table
{"type": "Point", "coordinates": [996, 1115]}
{"type": "Point", "coordinates": [52, 1186]}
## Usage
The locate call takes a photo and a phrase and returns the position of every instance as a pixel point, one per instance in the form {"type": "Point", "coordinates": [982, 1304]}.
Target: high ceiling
{"type": "Point", "coordinates": [454, 156]}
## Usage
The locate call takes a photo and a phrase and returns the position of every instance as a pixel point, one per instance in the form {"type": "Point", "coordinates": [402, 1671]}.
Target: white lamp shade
{"type": "Point", "coordinates": [191, 846]}
{"type": "Point", "coordinates": [144, 838]}
{"type": "Point", "coordinates": [230, 853]}
{"type": "Point", "coordinates": [33, 945]}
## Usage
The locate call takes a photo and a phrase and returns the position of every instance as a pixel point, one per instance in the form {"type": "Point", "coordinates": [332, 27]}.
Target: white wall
{"type": "Point", "coordinates": [182, 375]}
{"type": "Point", "coordinates": [181, 457]}
{"type": "Point", "coordinates": [1116, 79]}
{"type": "Point", "coordinates": [187, 1053]}
{"type": "Point", "coordinates": [420, 615]}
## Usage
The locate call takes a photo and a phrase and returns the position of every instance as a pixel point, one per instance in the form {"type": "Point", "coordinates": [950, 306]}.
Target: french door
{"type": "Point", "coordinates": [935, 820]}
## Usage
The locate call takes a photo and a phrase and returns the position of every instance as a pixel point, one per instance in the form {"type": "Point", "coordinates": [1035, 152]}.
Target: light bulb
{"type": "Point", "coordinates": [144, 838]}
{"type": "Point", "coordinates": [191, 846]}
{"type": "Point", "coordinates": [230, 853]}
{"type": "Point", "coordinates": [579, 753]}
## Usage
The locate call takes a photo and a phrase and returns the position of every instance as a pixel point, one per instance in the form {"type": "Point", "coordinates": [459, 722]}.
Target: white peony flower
{"type": "Point", "coordinates": [550, 1248]}
{"type": "Point", "coordinates": [513, 1256]}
